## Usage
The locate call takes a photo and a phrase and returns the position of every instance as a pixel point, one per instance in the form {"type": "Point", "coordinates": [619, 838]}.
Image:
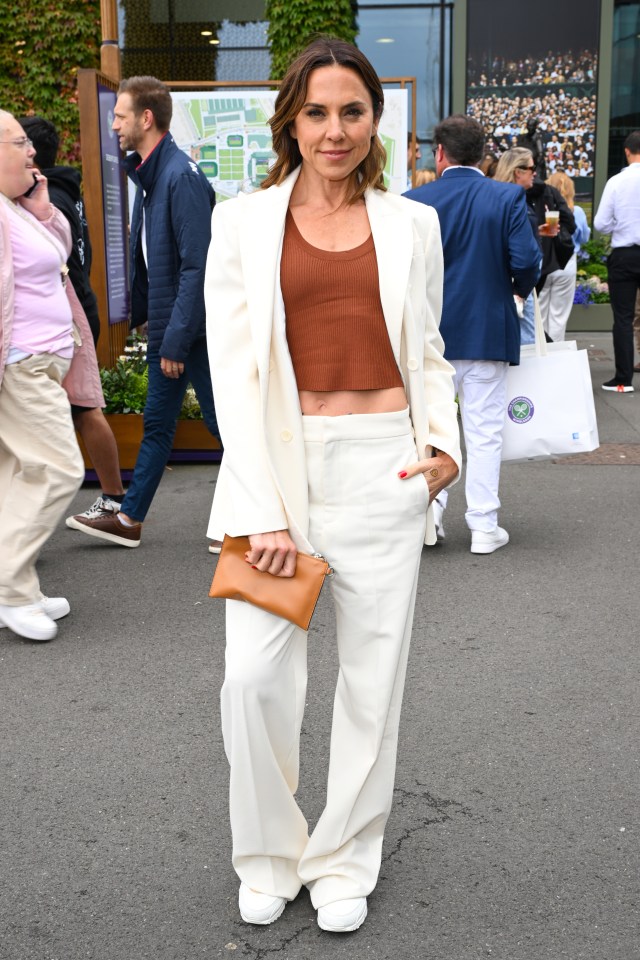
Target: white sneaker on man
{"type": "Point", "coordinates": [258, 907]}
{"type": "Point", "coordinates": [486, 542]}
{"type": "Point", "coordinates": [343, 916]}
{"type": "Point", "coordinates": [29, 620]}
{"type": "Point", "coordinates": [438, 514]}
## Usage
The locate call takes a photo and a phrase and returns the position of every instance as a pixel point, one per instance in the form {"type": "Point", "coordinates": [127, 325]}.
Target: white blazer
{"type": "Point", "coordinates": [262, 485]}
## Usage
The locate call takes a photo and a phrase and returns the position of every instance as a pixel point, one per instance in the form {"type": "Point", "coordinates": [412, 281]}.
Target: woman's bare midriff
{"type": "Point", "coordinates": [340, 403]}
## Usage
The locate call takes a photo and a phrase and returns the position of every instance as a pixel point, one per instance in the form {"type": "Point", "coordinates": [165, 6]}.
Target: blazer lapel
{"type": "Point", "coordinates": [261, 233]}
{"type": "Point", "coordinates": [393, 238]}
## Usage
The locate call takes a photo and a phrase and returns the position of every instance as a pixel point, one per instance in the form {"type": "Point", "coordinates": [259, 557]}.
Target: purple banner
{"type": "Point", "coordinates": [114, 210]}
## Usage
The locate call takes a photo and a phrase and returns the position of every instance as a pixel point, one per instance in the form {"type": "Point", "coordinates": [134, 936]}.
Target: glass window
{"type": "Point", "coordinates": [243, 53]}
{"type": "Point", "coordinates": [625, 104]}
{"type": "Point", "coordinates": [411, 40]}
{"type": "Point", "coordinates": [177, 40]}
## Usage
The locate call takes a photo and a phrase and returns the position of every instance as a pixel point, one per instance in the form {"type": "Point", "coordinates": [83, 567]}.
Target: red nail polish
{"type": "Point", "coordinates": [402, 474]}
{"type": "Point", "coordinates": [253, 568]}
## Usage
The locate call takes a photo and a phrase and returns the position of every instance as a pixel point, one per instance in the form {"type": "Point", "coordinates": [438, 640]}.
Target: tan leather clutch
{"type": "Point", "coordinates": [293, 598]}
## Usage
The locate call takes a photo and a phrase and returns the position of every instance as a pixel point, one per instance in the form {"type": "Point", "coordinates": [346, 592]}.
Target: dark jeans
{"type": "Point", "coordinates": [624, 282]}
{"type": "Point", "coordinates": [164, 400]}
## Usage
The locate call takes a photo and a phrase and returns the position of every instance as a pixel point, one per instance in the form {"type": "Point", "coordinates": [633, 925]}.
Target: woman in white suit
{"type": "Point", "coordinates": [339, 425]}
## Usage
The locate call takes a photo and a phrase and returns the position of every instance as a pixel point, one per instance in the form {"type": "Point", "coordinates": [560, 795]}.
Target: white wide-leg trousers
{"type": "Point", "coordinates": [481, 389]}
{"type": "Point", "coordinates": [41, 469]}
{"type": "Point", "coordinates": [370, 525]}
{"type": "Point", "coordinates": [556, 299]}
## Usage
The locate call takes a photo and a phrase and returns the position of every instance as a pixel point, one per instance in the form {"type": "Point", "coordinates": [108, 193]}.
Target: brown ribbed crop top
{"type": "Point", "coordinates": [336, 330]}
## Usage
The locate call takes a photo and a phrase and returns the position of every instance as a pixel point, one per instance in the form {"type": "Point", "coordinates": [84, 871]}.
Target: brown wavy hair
{"type": "Point", "coordinates": [149, 93]}
{"type": "Point", "coordinates": [324, 52]}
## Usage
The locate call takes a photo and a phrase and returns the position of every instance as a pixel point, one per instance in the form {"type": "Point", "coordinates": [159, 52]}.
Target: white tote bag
{"type": "Point", "coordinates": [550, 408]}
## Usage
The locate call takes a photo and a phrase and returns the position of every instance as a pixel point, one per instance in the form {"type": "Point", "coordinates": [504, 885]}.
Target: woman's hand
{"type": "Point", "coordinates": [439, 471]}
{"type": "Point", "coordinates": [273, 553]}
{"type": "Point", "coordinates": [549, 230]}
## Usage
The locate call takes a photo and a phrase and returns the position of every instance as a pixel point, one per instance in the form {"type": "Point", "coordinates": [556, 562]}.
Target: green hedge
{"type": "Point", "coordinates": [42, 46]}
{"type": "Point", "coordinates": [293, 23]}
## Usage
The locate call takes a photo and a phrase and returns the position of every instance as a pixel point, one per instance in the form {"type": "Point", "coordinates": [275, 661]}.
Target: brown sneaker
{"type": "Point", "coordinates": [110, 527]}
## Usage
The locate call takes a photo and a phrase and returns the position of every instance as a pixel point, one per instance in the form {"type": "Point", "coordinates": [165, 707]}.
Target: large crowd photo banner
{"type": "Point", "coordinates": [532, 78]}
{"type": "Point", "coordinates": [228, 135]}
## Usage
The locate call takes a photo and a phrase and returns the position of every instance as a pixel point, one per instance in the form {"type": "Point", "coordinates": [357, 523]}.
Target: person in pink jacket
{"type": "Point", "coordinates": [41, 466]}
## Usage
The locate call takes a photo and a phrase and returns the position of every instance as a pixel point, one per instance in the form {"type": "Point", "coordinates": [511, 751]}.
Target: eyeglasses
{"type": "Point", "coordinates": [20, 142]}
{"type": "Point", "coordinates": [434, 150]}
{"type": "Point", "coordinates": [530, 169]}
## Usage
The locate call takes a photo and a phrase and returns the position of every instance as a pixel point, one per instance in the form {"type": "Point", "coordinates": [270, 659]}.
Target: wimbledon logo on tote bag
{"type": "Point", "coordinates": [520, 410]}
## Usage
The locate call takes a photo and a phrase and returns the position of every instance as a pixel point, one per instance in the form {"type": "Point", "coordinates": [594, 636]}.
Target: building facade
{"type": "Point", "coordinates": [574, 67]}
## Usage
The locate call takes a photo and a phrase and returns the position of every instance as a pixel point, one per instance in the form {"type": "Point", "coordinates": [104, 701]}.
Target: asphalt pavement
{"type": "Point", "coordinates": [514, 833]}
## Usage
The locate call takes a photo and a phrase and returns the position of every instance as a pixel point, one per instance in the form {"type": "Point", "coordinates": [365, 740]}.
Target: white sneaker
{"type": "Point", "coordinates": [343, 916]}
{"type": "Point", "coordinates": [438, 514]}
{"type": "Point", "coordinates": [259, 907]}
{"type": "Point", "coordinates": [55, 607]}
{"type": "Point", "coordinates": [483, 542]}
{"type": "Point", "coordinates": [102, 506]}
{"type": "Point", "coordinates": [28, 621]}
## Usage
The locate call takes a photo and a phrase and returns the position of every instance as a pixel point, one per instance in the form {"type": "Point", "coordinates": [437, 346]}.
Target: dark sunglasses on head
{"type": "Point", "coordinates": [531, 169]}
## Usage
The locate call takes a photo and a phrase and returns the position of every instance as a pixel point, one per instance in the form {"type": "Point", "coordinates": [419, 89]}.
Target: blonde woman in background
{"type": "Point", "coordinates": [424, 176]}
{"type": "Point", "coordinates": [556, 297]}
{"type": "Point", "coordinates": [517, 166]}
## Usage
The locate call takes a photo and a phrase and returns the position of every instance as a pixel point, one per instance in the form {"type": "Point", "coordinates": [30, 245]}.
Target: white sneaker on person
{"type": "Point", "coordinates": [343, 916]}
{"type": "Point", "coordinates": [55, 607]}
{"type": "Point", "coordinates": [28, 621]}
{"type": "Point", "coordinates": [102, 506]}
{"type": "Point", "coordinates": [486, 542]}
{"type": "Point", "coordinates": [438, 514]}
{"type": "Point", "coordinates": [258, 907]}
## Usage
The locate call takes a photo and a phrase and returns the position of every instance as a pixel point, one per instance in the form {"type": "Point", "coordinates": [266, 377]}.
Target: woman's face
{"type": "Point", "coordinates": [16, 160]}
{"type": "Point", "coordinates": [335, 127]}
{"type": "Point", "coordinates": [524, 174]}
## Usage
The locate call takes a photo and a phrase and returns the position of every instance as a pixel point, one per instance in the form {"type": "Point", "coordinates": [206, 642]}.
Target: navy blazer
{"type": "Point", "coordinates": [177, 200]}
{"type": "Point", "coordinates": [490, 253]}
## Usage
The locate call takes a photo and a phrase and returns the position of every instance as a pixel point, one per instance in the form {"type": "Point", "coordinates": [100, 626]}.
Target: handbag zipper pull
{"type": "Point", "coordinates": [318, 556]}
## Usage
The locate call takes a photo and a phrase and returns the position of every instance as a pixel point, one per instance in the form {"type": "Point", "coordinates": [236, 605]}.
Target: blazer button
{"type": "Point", "coordinates": [287, 436]}
{"type": "Point", "coordinates": [412, 364]}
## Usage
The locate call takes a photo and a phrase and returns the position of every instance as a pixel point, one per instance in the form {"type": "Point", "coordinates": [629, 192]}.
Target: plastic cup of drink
{"type": "Point", "coordinates": [552, 217]}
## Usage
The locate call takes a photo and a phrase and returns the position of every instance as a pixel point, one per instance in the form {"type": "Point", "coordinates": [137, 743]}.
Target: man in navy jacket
{"type": "Point", "coordinates": [490, 254]}
{"type": "Point", "coordinates": [170, 235]}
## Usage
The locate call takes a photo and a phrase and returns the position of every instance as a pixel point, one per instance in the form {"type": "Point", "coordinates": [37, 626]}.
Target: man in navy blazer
{"type": "Point", "coordinates": [490, 254]}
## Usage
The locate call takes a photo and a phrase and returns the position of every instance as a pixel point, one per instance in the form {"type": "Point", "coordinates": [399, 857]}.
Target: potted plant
{"type": "Point", "coordinates": [591, 285]}
{"type": "Point", "coordinates": [125, 392]}
{"type": "Point", "coordinates": [591, 302]}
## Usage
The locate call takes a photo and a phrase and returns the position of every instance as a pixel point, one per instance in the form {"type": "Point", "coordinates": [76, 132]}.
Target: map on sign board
{"type": "Point", "coordinates": [228, 135]}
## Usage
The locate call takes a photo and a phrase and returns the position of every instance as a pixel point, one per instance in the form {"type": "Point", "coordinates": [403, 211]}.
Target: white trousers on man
{"type": "Point", "coordinates": [556, 299]}
{"type": "Point", "coordinates": [481, 389]}
{"type": "Point", "coordinates": [41, 469]}
{"type": "Point", "coordinates": [370, 525]}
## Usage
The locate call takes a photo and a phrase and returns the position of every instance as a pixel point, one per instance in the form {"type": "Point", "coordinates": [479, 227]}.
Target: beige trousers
{"type": "Point", "coordinates": [370, 525]}
{"type": "Point", "coordinates": [41, 469]}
